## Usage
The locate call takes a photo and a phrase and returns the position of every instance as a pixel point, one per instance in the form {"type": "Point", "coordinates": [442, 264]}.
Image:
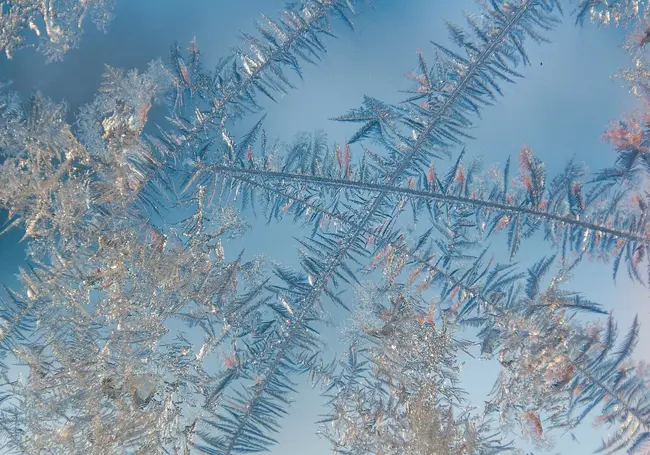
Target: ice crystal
{"type": "Point", "coordinates": [56, 23]}
{"type": "Point", "coordinates": [136, 329]}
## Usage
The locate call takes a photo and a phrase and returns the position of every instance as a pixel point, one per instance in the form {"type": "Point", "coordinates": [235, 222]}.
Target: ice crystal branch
{"type": "Point", "coordinates": [572, 215]}
{"type": "Point", "coordinates": [398, 389]}
{"type": "Point", "coordinates": [88, 363]}
{"type": "Point", "coordinates": [633, 15]}
{"type": "Point", "coordinates": [611, 12]}
{"type": "Point", "coordinates": [554, 367]}
{"type": "Point", "coordinates": [48, 166]}
{"type": "Point", "coordinates": [203, 103]}
{"type": "Point", "coordinates": [56, 23]}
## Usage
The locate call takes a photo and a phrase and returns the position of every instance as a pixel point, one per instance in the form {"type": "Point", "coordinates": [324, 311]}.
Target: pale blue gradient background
{"type": "Point", "coordinates": [560, 109]}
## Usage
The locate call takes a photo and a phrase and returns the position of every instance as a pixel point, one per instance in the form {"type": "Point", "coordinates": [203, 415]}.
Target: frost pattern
{"type": "Point", "coordinates": [93, 335]}
{"type": "Point", "coordinates": [56, 23]}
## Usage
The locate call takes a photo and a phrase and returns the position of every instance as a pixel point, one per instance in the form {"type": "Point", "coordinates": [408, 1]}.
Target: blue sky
{"type": "Point", "coordinates": [560, 110]}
